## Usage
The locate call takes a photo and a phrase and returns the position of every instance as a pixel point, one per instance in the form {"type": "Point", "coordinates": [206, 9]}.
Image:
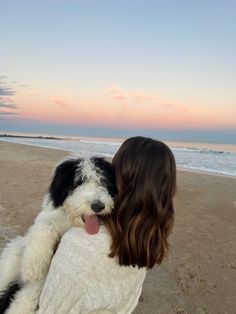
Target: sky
{"type": "Point", "coordinates": [101, 68]}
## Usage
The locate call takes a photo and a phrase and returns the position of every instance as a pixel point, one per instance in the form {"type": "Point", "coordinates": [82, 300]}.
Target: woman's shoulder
{"type": "Point", "coordinates": [78, 238]}
{"type": "Point", "coordinates": [78, 233]}
{"type": "Point", "coordinates": [95, 249]}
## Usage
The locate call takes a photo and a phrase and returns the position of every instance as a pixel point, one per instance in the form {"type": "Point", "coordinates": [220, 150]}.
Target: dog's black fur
{"type": "Point", "coordinates": [68, 177]}
{"type": "Point", "coordinates": [7, 296]}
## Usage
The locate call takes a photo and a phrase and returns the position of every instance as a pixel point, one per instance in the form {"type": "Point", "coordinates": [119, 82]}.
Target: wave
{"type": "Point", "coordinates": [209, 170]}
{"type": "Point", "coordinates": [100, 142]}
{"type": "Point", "coordinates": [201, 150]}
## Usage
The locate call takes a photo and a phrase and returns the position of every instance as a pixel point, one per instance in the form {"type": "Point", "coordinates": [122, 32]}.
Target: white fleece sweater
{"type": "Point", "coordinates": [83, 279]}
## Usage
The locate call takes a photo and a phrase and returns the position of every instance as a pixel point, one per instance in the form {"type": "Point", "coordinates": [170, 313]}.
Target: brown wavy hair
{"type": "Point", "coordinates": [143, 214]}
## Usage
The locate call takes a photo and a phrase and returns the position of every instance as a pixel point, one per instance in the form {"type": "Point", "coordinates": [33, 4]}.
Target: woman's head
{"type": "Point", "coordinates": [143, 214]}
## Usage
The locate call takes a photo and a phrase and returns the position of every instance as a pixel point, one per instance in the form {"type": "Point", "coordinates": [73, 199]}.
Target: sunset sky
{"type": "Point", "coordinates": [107, 67]}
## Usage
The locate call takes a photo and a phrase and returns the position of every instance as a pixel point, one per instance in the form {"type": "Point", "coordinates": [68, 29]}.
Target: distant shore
{"type": "Point", "coordinates": [30, 136]}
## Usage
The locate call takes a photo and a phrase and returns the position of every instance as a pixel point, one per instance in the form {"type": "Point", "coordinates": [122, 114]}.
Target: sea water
{"type": "Point", "coordinates": [213, 158]}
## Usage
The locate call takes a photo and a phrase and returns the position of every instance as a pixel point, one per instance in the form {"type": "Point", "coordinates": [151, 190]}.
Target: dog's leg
{"type": "Point", "coordinates": [41, 242]}
{"type": "Point", "coordinates": [40, 247]}
{"type": "Point", "coordinates": [27, 299]}
{"type": "Point", "coordinates": [10, 262]}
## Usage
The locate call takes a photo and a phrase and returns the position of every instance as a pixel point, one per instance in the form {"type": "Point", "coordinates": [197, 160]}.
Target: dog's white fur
{"type": "Point", "coordinates": [27, 259]}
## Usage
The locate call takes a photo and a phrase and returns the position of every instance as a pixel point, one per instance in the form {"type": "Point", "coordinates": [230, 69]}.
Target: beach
{"type": "Point", "coordinates": [200, 274]}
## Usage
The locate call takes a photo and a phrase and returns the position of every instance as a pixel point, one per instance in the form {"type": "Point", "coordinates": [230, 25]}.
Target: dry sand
{"type": "Point", "coordinates": [200, 275]}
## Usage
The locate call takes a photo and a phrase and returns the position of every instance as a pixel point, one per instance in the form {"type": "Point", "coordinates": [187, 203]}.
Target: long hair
{"type": "Point", "coordinates": [143, 214]}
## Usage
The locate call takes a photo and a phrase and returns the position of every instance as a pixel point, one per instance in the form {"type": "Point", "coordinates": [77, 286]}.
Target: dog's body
{"type": "Point", "coordinates": [81, 190]}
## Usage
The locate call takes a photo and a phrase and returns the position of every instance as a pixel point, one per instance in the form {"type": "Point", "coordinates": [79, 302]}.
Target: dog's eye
{"type": "Point", "coordinates": [110, 186]}
{"type": "Point", "coordinates": [78, 182]}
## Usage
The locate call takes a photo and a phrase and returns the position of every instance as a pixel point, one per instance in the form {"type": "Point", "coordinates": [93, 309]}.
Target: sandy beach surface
{"type": "Point", "coordinates": [200, 274]}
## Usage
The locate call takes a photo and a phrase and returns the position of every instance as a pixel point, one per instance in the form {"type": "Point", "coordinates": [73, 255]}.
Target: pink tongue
{"type": "Point", "coordinates": [91, 224]}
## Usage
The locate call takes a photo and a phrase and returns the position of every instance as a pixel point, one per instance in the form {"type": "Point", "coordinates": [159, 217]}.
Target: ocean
{"type": "Point", "coordinates": [203, 157]}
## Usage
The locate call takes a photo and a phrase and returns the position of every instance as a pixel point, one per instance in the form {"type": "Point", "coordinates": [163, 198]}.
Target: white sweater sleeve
{"type": "Point", "coordinates": [83, 279]}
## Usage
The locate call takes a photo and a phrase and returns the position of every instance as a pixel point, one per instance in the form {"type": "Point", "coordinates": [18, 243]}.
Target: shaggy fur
{"type": "Point", "coordinates": [79, 188]}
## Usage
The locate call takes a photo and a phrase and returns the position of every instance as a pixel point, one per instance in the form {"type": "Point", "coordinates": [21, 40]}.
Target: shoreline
{"type": "Point", "coordinates": [179, 169]}
{"type": "Point", "coordinates": [229, 147]}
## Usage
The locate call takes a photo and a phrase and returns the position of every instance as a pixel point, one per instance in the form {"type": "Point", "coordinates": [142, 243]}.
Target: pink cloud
{"type": "Point", "coordinates": [117, 93]}
{"type": "Point", "coordinates": [120, 94]}
{"type": "Point", "coordinates": [61, 100]}
{"type": "Point", "coordinates": [175, 107]}
{"type": "Point", "coordinates": [143, 99]}
{"type": "Point", "coordinates": [140, 96]}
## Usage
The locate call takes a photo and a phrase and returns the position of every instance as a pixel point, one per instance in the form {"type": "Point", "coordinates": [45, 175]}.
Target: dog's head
{"type": "Point", "coordinates": [83, 187]}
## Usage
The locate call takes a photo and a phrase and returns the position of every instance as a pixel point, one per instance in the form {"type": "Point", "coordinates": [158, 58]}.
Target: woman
{"type": "Point", "coordinates": [104, 273]}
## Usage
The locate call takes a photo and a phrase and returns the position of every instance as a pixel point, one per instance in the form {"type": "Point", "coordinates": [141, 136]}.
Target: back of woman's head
{"type": "Point", "coordinates": [143, 214]}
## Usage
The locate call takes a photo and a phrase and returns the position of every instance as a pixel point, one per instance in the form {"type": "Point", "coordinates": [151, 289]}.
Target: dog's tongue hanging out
{"type": "Point", "coordinates": [91, 224]}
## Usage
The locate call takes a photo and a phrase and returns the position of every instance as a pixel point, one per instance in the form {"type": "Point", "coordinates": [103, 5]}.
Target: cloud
{"type": "Point", "coordinates": [140, 96]}
{"type": "Point", "coordinates": [141, 104]}
{"type": "Point", "coordinates": [8, 88]}
{"type": "Point", "coordinates": [5, 102]}
{"type": "Point", "coordinates": [174, 107]}
{"type": "Point", "coordinates": [8, 113]}
{"type": "Point", "coordinates": [118, 93]}
{"type": "Point", "coordinates": [168, 105]}
{"type": "Point", "coordinates": [61, 100]}
{"type": "Point", "coordinates": [10, 106]}
{"type": "Point", "coordinates": [5, 89]}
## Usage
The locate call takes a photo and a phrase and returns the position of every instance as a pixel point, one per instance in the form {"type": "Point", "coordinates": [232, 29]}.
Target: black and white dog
{"type": "Point", "coordinates": [81, 190]}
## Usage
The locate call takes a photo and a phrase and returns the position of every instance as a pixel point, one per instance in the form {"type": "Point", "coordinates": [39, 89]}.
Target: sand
{"type": "Point", "coordinates": [200, 274]}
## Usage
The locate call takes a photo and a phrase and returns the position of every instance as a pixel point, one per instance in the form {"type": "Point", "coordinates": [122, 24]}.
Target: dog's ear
{"type": "Point", "coordinates": [63, 181]}
{"type": "Point", "coordinates": [108, 174]}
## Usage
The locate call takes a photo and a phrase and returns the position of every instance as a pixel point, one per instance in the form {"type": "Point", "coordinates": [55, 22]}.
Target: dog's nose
{"type": "Point", "coordinates": [97, 206]}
